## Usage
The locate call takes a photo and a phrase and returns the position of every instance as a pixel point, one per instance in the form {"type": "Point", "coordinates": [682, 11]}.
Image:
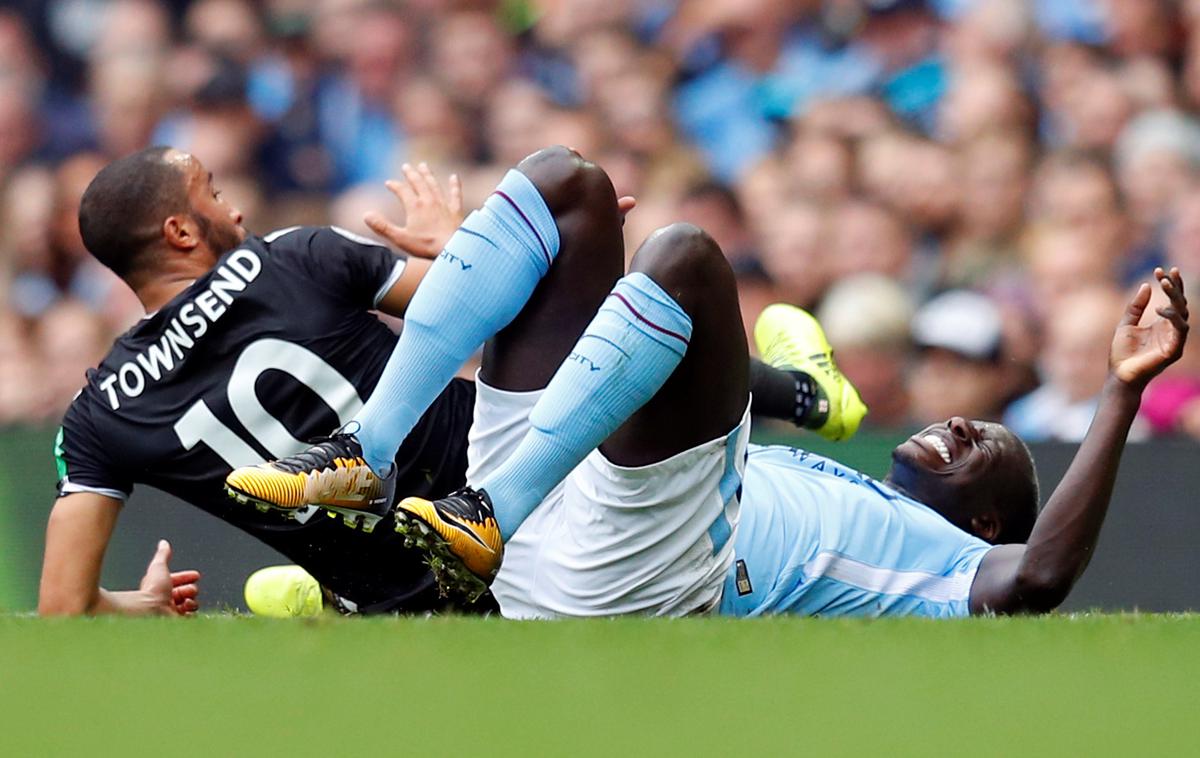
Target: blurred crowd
{"type": "Point", "coordinates": [963, 190]}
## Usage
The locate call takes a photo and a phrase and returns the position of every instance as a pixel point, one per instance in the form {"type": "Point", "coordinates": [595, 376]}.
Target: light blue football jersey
{"type": "Point", "coordinates": [820, 539]}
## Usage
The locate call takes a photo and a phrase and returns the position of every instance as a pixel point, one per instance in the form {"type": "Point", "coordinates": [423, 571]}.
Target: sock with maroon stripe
{"type": "Point", "coordinates": [632, 345]}
{"type": "Point", "coordinates": [478, 284]}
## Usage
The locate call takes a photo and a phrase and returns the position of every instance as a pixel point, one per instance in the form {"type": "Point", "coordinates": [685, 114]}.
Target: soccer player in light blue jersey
{"type": "Point", "coordinates": [954, 528]}
{"type": "Point", "coordinates": [820, 539]}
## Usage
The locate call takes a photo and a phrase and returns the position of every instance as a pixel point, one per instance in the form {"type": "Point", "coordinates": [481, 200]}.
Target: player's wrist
{"type": "Point", "coordinates": [1123, 389]}
{"type": "Point", "coordinates": [140, 602]}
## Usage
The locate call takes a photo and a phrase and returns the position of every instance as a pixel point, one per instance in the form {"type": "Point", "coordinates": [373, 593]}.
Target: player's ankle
{"type": "Point", "coordinates": [812, 404]}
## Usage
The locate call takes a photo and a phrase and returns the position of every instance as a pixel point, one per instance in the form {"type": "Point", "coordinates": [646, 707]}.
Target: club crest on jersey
{"type": "Point", "coordinates": [190, 323]}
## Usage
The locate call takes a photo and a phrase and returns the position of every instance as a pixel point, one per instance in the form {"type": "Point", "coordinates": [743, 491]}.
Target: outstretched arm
{"type": "Point", "coordinates": [431, 216]}
{"type": "Point", "coordinates": [77, 536]}
{"type": "Point", "coordinates": [1036, 577]}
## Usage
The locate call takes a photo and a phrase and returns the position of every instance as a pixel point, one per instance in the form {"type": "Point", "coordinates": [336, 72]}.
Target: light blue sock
{"type": "Point", "coordinates": [474, 289]}
{"type": "Point", "coordinates": [632, 345]}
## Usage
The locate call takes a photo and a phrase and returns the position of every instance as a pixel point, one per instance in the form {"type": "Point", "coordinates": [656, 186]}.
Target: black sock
{"type": "Point", "coordinates": [787, 395]}
{"type": "Point", "coordinates": [812, 409]}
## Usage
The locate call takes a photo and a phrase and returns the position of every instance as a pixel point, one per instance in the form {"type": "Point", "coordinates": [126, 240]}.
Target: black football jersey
{"type": "Point", "coordinates": [273, 347]}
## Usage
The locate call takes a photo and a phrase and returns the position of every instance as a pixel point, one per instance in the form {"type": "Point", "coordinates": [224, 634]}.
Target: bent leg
{"type": "Point", "coordinates": [591, 257]}
{"type": "Point", "coordinates": [705, 397]}
{"type": "Point", "coordinates": [648, 378]}
{"type": "Point", "coordinates": [480, 283]}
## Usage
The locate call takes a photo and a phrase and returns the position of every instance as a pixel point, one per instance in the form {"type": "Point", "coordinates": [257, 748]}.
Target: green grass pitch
{"type": "Point", "coordinates": [219, 685]}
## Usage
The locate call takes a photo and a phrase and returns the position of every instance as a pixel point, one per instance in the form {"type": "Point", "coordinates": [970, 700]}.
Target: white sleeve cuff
{"type": "Point", "coordinates": [69, 488]}
{"type": "Point", "coordinates": [390, 282]}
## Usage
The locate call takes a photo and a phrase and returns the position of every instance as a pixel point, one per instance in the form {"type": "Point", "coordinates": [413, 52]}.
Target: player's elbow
{"type": "Point", "coordinates": [1041, 590]}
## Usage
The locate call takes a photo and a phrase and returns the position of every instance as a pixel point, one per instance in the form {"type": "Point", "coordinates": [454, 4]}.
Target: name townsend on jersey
{"type": "Point", "coordinates": [190, 323]}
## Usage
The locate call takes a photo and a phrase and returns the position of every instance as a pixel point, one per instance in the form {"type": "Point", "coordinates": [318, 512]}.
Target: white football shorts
{"type": "Point", "coordinates": [613, 540]}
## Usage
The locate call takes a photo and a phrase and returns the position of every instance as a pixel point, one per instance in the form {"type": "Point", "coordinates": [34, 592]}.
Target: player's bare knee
{"type": "Point", "coordinates": [682, 258]}
{"type": "Point", "coordinates": [566, 180]}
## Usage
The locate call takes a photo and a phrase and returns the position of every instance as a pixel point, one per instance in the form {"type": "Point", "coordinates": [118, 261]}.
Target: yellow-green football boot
{"type": "Point", "coordinates": [283, 592]}
{"type": "Point", "coordinates": [789, 338]}
{"type": "Point", "coordinates": [459, 536]}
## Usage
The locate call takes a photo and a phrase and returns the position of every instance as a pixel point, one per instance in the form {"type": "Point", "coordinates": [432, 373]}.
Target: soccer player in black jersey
{"type": "Point", "coordinates": [253, 346]}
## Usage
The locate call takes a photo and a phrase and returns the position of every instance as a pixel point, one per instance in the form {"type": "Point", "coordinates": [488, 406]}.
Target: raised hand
{"type": "Point", "coordinates": [169, 592]}
{"type": "Point", "coordinates": [430, 215]}
{"type": "Point", "coordinates": [1140, 353]}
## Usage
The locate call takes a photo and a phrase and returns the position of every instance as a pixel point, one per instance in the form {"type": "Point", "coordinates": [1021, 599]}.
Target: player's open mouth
{"type": "Point", "coordinates": [937, 444]}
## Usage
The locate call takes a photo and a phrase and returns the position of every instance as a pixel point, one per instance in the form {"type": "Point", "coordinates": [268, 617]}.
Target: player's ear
{"type": "Point", "coordinates": [180, 232]}
{"type": "Point", "coordinates": [986, 526]}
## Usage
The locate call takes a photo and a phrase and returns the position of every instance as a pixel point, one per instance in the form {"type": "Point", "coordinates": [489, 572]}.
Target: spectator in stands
{"type": "Point", "coordinates": [1019, 149]}
{"type": "Point", "coordinates": [795, 253]}
{"type": "Point", "coordinates": [70, 341]}
{"type": "Point", "coordinates": [725, 109]}
{"type": "Point", "coordinates": [24, 394]}
{"type": "Point", "coordinates": [1062, 260]}
{"type": "Point", "coordinates": [26, 268]}
{"type": "Point", "coordinates": [957, 371]}
{"type": "Point", "coordinates": [867, 317]}
{"type": "Point", "coordinates": [1171, 403]}
{"type": "Point", "coordinates": [1157, 158]}
{"type": "Point", "coordinates": [993, 181]}
{"type": "Point", "coordinates": [1074, 366]}
{"type": "Point", "coordinates": [865, 237]}
{"type": "Point", "coordinates": [716, 209]}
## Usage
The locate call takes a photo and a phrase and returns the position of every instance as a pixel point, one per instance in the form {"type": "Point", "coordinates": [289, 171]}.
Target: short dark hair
{"type": "Point", "coordinates": [1022, 509]}
{"type": "Point", "coordinates": [122, 210]}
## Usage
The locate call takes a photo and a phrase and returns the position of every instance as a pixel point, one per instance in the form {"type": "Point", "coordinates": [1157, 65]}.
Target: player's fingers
{"type": "Point", "coordinates": [399, 236]}
{"type": "Point", "coordinates": [456, 195]}
{"type": "Point", "coordinates": [420, 179]}
{"type": "Point", "coordinates": [1178, 299]}
{"type": "Point", "coordinates": [162, 554]}
{"type": "Point", "coordinates": [1178, 279]}
{"type": "Point", "coordinates": [186, 607]}
{"type": "Point", "coordinates": [379, 224]}
{"type": "Point", "coordinates": [1171, 314]}
{"type": "Point", "coordinates": [1137, 306]}
{"type": "Point", "coordinates": [178, 594]}
{"type": "Point", "coordinates": [1171, 289]}
{"type": "Point", "coordinates": [416, 184]}
{"type": "Point", "coordinates": [433, 186]}
{"type": "Point", "coordinates": [185, 577]}
{"type": "Point", "coordinates": [403, 192]}
{"type": "Point", "coordinates": [626, 203]}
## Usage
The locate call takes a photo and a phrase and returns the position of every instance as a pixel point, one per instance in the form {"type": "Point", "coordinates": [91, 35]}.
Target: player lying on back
{"type": "Point", "coordinates": [818, 538]}
{"type": "Point", "coordinates": [953, 530]}
{"type": "Point", "coordinates": [644, 523]}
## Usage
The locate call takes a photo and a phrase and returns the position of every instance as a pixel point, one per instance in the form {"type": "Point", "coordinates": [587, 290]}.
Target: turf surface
{"type": "Point", "coordinates": [481, 687]}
